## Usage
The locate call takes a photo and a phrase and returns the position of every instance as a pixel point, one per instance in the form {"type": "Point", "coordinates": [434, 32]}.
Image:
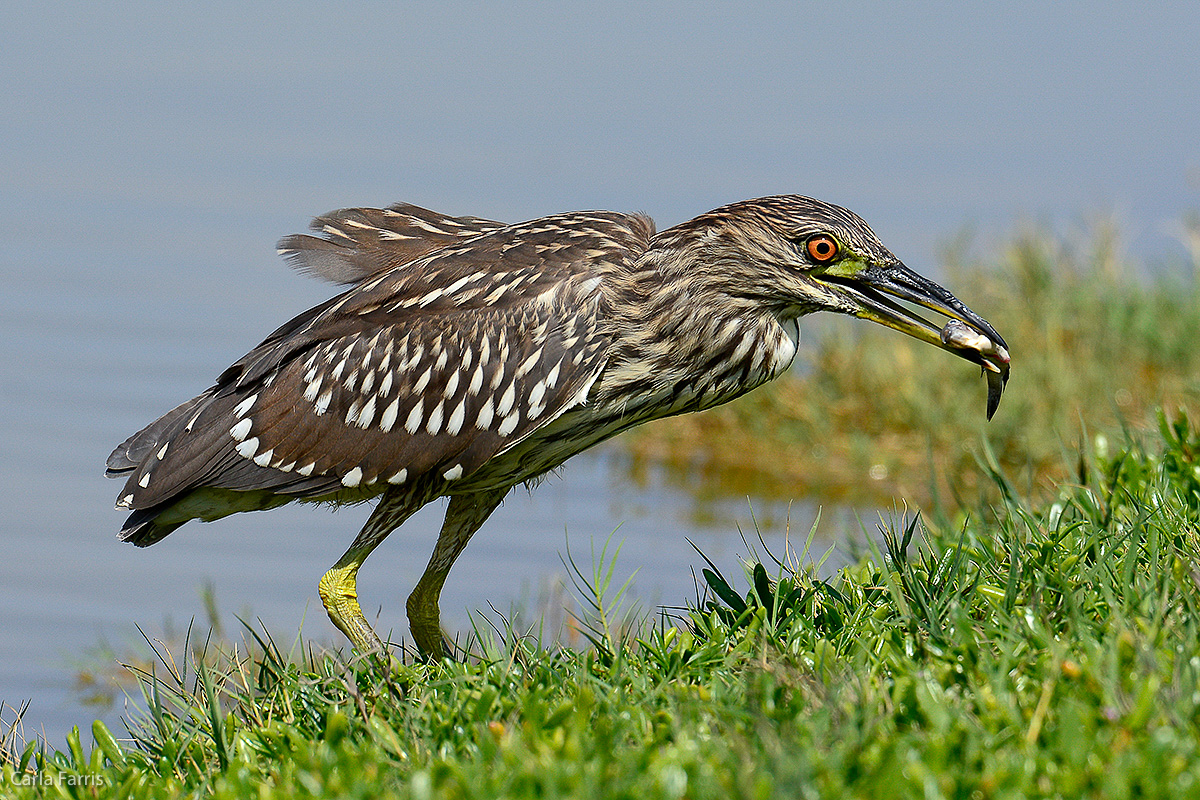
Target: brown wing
{"type": "Point", "coordinates": [360, 242]}
{"type": "Point", "coordinates": [431, 367]}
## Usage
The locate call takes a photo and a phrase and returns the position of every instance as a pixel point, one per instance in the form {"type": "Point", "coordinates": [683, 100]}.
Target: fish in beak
{"type": "Point", "coordinates": [871, 291]}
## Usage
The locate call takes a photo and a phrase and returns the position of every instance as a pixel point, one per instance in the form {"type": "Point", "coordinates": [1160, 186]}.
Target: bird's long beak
{"type": "Point", "coordinates": [871, 289]}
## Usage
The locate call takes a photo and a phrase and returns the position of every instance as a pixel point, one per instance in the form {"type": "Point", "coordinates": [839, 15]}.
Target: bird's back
{"type": "Point", "coordinates": [459, 339]}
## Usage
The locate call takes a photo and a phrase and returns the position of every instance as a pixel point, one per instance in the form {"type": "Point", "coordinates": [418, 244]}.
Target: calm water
{"type": "Point", "coordinates": [150, 157]}
{"type": "Point", "coordinates": [69, 586]}
{"type": "Point", "coordinates": [93, 365]}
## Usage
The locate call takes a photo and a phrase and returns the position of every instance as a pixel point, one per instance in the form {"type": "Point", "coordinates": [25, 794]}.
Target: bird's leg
{"type": "Point", "coordinates": [464, 515]}
{"type": "Point", "coordinates": [338, 586]}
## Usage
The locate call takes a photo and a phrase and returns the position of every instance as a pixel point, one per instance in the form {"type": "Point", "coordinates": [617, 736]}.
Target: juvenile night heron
{"type": "Point", "coordinates": [469, 356]}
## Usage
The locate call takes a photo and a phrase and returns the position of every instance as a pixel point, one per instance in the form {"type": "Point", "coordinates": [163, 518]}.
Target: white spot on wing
{"type": "Point", "coordinates": [484, 420]}
{"type": "Point", "coordinates": [581, 396]}
{"type": "Point", "coordinates": [537, 393]}
{"type": "Point", "coordinates": [323, 402]}
{"type": "Point", "coordinates": [263, 459]}
{"type": "Point", "coordinates": [414, 417]}
{"type": "Point", "coordinates": [509, 423]}
{"type": "Point", "coordinates": [388, 418]}
{"type": "Point", "coordinates": [422, 381]}
{"type": "Point", "coordinates": [248, 448]}
{"type": "Point", "coordinates": [144, 481]}
{"type": "Point", "coordinates": [506, 400]}
{"type": "Point", "coordinates": [399, 477]}
{"type": "Point", "coordinates": [435, 419]}
{"type": "Point", "coordinates": [353, 477]}
{"type": "Point", "coordinates": [307, 469]}
{"type": "Point", "coordinates": [162, 451]}
{"type": "Point", "coordinates": [241, 408]}
{"type": "Point", "coordinates": [454, 424]}
{"type": "Point", "coordinates": [529, 363]}
{"type": "Point", "coordinates": [241, 430]}
{"type": "Point", "coordinates": [367, 415]}
{"type": "Point", "coordinates": [454, 473]}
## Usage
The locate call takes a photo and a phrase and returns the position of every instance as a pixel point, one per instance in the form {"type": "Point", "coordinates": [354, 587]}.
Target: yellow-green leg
{"type": "Point", "coordinates": [339, 594]}
{"type": "Point", "coordinates": [338, 587]}
{"type": "Point", "coordinates": [465, 514]}
{"type": "Point", "coordinates": [424, 615]}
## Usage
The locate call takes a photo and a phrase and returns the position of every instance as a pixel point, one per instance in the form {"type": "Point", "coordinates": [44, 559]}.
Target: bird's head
{"type": "Point", "coordinates": [800, 255]}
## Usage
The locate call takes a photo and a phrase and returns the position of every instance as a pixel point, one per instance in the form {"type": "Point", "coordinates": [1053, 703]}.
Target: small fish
{"type": "Point", "coordinates": [993, 357]}
{"type": "Point", "coordinates": [961, 336]}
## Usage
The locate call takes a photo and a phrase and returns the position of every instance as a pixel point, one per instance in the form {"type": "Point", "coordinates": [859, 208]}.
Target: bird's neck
{"type": "Point", "coordinates": [685, 344]}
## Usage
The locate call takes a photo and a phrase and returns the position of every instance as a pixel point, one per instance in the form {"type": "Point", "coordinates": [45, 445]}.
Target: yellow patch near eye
{"type": "Point", "coordinates": [846, 268]}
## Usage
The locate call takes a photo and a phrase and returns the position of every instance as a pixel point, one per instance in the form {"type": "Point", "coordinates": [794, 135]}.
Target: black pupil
{"type": "Point", "coordinates": [823, 248]}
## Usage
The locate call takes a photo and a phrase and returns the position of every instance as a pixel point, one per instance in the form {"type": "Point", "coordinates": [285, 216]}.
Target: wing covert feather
{"type": "Point", "coordinates": [438, 365]}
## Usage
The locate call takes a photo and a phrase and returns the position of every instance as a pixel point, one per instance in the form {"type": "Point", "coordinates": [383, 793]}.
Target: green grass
{"type": "Point", "coordinates": [1013, 649]}
{"type": "Point", "coordinates": [871, 415]}
{"type": "Point", "coordinates": [1035, 635]}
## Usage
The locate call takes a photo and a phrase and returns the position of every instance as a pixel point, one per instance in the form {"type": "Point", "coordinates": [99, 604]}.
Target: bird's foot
{"type": "Point", "coordinates": [339, 595]}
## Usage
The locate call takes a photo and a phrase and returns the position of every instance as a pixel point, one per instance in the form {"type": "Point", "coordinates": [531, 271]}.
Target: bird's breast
{"type": "Point", "coordinates": [659, 379]}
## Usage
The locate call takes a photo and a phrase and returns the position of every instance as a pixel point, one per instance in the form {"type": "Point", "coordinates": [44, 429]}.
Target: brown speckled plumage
{"type": "Point", "coordinates": [468, 356]}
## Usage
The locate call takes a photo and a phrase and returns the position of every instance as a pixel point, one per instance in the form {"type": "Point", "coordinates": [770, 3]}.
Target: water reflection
{"type": "Point", "coordinates": [89, 352]}
{"type": "Point", "coordinates": [77, 608]}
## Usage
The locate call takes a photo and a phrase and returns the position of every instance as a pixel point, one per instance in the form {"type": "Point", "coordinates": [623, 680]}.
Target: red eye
{"type": "Point", "coordinates": [822, 248]}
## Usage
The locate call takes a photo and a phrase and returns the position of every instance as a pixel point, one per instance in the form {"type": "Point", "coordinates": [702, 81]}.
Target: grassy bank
{"type": "Point", "coordinates": [1015, 650]}
{"type": "Point", "coordinates": [1036, 636]}
{"type": "Point", "coordinates": [872, 415]}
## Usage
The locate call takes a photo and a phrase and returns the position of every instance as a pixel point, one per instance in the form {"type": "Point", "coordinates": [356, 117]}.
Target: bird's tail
{"type": "Point", "coordinates": [142, 528]}
{"type": "Point", "coordinates": [132, 452]}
